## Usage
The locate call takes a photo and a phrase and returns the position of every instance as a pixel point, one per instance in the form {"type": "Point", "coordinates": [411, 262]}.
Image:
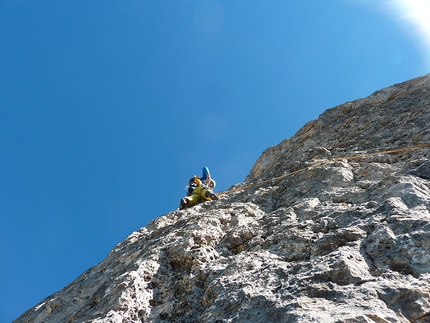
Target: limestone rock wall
{"type": "Point", "coordinates": [347, 240]}
{"type": "Point", "coordinates": [393, 117]}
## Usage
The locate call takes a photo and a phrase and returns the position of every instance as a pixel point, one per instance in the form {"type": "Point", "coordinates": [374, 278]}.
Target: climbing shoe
{"type": "Point", "coordinates": [183, 204]}
{"type": "Point", "coordinates": [211, 195]}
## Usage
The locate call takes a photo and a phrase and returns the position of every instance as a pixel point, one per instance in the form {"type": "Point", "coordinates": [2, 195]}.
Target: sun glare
{"type": "Point", "coordinates": [417, 14]}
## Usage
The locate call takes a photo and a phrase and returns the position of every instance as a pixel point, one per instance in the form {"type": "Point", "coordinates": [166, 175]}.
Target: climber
{"type": "Point", "coordinates": [200, 189]}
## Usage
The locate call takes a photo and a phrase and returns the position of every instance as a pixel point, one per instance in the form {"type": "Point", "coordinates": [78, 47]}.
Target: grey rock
{"type": "Point", "coordinates": [331, 225]}
{"type": "Point", "coordinates": [423, 170]}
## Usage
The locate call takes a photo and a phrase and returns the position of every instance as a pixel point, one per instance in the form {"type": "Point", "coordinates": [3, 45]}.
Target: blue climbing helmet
{"type": "Point", "coordinates": [205, 172]}
{"type": "Point", "coordinates": [211, 184]}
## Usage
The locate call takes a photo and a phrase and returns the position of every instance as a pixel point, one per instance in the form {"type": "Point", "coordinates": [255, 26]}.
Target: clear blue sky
{"type": "Point", "coordinates": [108, 107]}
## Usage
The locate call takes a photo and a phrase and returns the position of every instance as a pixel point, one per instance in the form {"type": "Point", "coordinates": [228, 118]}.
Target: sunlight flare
{"type": "Point", "coordinates": [415, 13]}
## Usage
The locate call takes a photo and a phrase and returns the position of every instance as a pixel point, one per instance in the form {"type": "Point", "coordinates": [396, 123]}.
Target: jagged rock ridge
{"type": "Point", "coordinates": [344, 241]}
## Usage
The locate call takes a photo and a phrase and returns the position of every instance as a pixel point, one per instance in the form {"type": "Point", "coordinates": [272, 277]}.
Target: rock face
{"type": "Point", "coordinates": [327, 227]}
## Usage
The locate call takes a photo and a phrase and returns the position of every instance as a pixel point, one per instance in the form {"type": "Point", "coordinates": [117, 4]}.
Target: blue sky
{"type": "Point", "coordinates": [108, 107]}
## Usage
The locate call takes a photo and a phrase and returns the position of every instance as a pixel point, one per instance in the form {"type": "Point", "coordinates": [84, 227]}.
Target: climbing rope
{"type": "Point", "coordinates": [391, 151]}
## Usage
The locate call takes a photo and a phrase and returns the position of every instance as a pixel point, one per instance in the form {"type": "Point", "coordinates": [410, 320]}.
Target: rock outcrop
{"type": "Point", "coordinates": [327, 227]}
